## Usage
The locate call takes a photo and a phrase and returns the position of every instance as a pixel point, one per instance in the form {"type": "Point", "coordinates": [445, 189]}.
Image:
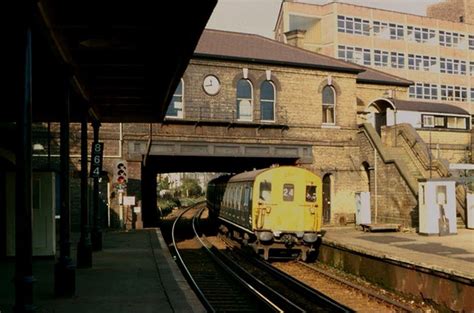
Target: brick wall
{"type": "Point", "coordinates": [391, 198]}
{"type": "Point", "coordinates": [450, 145]}
{"type": "Point", "coordinates": [452, 10]}
{"type": "Point", "coordinates": [337, 150]}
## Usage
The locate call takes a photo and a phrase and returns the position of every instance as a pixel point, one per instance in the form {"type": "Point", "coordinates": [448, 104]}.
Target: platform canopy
{"type": "Point", "coordinates": [125, 58]}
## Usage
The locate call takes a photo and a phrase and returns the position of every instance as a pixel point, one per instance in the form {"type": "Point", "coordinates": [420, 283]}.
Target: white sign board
{"type": "Point", "coordinates": [137, 209]}
{"type": "Point", "coordinates": [127, 200]}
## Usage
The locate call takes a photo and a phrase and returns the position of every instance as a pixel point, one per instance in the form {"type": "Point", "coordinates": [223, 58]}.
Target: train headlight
{"type": "Point", "coordinates": [310, 237]}
{"type": "Point", "coordinates": [265, 236]}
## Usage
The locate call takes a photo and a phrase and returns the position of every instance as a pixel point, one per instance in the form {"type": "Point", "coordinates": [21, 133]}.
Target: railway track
{"type": "Point", "coordinates": [265, 279]}
{"type": "Point", "coordinates": [218, 287]}
{"type": "Point", "coordinates": [355, 295]}
{"type": "Point", "coordinates": [225, 286]}
{"type": "Point", "coordinates": [310, 299]}
{"type": "Point", "coordinates": [309, 278]}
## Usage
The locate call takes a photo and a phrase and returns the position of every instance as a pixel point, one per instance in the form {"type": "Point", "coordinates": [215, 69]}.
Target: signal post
{"type": "Point", "coordinates": [120, 185]}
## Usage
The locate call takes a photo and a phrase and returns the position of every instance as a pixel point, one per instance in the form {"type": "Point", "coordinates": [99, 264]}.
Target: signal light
{"type": "Point", "coordinates": [121, 173]}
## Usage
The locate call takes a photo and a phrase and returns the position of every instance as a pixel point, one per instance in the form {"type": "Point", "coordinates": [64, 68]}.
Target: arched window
{"type": "Point", "coordinates": [329, 105]}
{"type": "Point", "coordinates": [244, 100]}
{"type": "Point", "coordinates": [175, 108]}
{"type": "Point", "coordinates": [267, 101]}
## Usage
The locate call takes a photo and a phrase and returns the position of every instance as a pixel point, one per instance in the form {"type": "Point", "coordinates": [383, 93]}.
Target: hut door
{"type": "Point", "coordinates": [327, 199]}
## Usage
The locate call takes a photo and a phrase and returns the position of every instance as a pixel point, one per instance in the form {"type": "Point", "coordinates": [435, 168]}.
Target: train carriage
{"type": "Point", "coordinates": [278, 208]}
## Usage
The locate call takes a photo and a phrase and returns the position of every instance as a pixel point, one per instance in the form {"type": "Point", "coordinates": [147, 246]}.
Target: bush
{"type": "Point", "coordinates": [165, 206]}
{"type": "Point", "coordinates": [191, 188]}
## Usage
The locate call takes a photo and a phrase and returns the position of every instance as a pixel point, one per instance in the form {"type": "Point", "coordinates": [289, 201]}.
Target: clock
{"type": "Point", "coordinates": [211, 85]}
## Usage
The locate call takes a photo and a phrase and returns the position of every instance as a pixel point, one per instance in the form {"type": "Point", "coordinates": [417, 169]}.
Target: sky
{"type": "Point", "coordinates": [259, 16]}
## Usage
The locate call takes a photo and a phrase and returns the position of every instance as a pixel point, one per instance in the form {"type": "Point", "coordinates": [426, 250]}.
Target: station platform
{"type": "Point", "coordinates": [453, 254]}
{"type": "Point", "coordinates": [134, 272]}
{"type": "Point", "coordinates": [435, 269]}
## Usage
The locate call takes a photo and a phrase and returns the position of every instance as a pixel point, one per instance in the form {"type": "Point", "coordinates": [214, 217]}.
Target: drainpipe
{"type": "Point", "coordinates": [375, 177]}
{"type": "Point", "coordinates": [375, 184]}
{"type": "Point", "coordinates": [396, 126]}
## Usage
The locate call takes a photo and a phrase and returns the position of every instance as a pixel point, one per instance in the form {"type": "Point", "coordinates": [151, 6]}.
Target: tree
{"type": "Point", "coordinates": [163, 184]}
{"type": "Point", "coordinates": [191, 187]}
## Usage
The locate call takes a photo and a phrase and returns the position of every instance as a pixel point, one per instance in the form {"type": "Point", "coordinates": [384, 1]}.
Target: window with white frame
{"type": "Point", "coordinates": [175, 108]}
{"type": "Point", "coordinates": [444, 121]}
{"type": "Point", "coordinates": [419, 34]}
{"type": "Point", "coordinates": [244, 100]}
{"type": "Point", "coordinates": [451, 39]}
{"type": "Point", "coordinates": [453, 93]}
{"type": "Point", "coordinates": [457, 122]}
{"type": "Point", "coordinates": [414, 62]}
{"type": "Point", "coordinates": [440, 121]}
{"type": "Point", "coordinates": [452, 66]}
{"type": "Point", "coordinates": [267, 101]}
{"type": "Point", "coordinates": [396, 31]}
{"type": "Point", "coordinates": [427, 121]}
{"type": "Point", "coordinates": [429, 63]}
{"type": "Point", "coordinates": [381, 29]}
{"type": "Point", "coordinates": [471, 42]}
{"type": "Point", "coordinates": [380, 58]}
{"type": "Point", "coordinates": [423, 91]}
{"type": "Point", "coordinates": [421, 62]}
{"type": "Point", "coordinates": [471, 68]}
{"type": "Point", "coordinates": [472, 94]}
{"type": "Point", "coordinates": [329, 105]}
{"type": "Point", "coordinates": [397, 60]}
{"type": "Point", "coordinates": [353, 25]}
{"type": "Point", "coordinates": [433, 121]}
{"type": "Point", "coordinates": [354, 54]}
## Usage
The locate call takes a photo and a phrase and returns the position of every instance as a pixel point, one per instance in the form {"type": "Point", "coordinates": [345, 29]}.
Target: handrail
{"type": "Point", "coordinates": [421, 150]}
{"type": "Point", "coordinates": [372, 135]}
{"type": "Point", "coordinates": [424, 155]}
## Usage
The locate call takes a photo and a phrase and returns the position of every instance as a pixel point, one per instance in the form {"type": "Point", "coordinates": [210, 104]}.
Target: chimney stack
{"type": "Point", "coordinates": [296, 37]}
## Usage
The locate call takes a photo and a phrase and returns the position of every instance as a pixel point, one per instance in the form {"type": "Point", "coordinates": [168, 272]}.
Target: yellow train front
{"type": "Point", "coordinates": [274, 209]}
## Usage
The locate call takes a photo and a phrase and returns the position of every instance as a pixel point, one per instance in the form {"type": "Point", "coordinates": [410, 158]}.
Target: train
{"type": "Point", "coordinates": [273, 210]}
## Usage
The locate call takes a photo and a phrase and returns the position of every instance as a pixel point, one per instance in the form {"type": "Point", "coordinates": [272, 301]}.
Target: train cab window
{"type": "Point", "coordinates": [288, 192]}
{"type": "Point", "coordinates": [311, 193]}
{"type": "Point", "coordinates": [265, 191]}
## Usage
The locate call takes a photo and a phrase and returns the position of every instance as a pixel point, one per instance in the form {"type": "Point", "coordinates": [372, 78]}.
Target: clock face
{"type": "Point", "coordinates": [211, 85]}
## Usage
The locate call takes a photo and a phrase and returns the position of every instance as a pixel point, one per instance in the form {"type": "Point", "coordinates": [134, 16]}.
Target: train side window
{"type": "Point", "coordinates": [239, 197]}
{"type": "Point", "coordinates": [311, 193]}
{"type": "Point", "coordinates": [250, 196]}
{"type": "Point", "coordinates": [226, 198]}
{"type": "Point", "coordinates": [245, 196]}
{"type": "Point", "coordinates": [233, 200]}
{"type": "Point", "coordinates": [288, 192]}
{"type": "Point", "coordinates": [265, 191]}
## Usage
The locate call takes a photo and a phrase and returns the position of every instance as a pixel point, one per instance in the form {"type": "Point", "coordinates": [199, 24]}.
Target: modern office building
{"type": "Point", "coordinates": [436, 54]}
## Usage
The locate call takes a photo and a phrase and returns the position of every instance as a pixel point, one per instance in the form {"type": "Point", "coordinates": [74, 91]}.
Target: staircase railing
{"type": "Point", "coordinates": [421, 151]}
{"type": "Point", "coordinates": [439, 167]}
{"type": "Point", "coordinates": [372, 135]}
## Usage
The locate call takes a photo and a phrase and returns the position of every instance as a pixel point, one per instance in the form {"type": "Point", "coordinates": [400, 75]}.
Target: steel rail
{"type": "Point", "coordinates": [190, 278]}
{"type": "Point", "coordinates": [316, 297]}
{"type": "Point", "coordinates": [234, 274]}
